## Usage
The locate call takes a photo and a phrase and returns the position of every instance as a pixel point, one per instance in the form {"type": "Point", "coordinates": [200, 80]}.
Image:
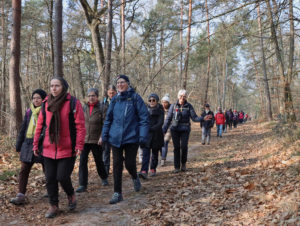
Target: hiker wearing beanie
{"type": "Point", "coordinates": [166, 105]}
{"type": "Point", "coordinates": [24, 144]}
{"type": "Point", "coordinates": [62, 123]}
{"type": "Point", "coordinates": [179, 116]}
{"type": "Point", "coordinates": [94, 115]}
{"type": "Point", "coordinates": [155, 137]}
{"type": "Point", "coordinates": [125, 128]}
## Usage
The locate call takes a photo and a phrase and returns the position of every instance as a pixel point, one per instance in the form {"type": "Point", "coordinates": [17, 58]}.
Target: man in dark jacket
{"type": "Point", "coordinates": [125, 128]}
{"type": "Point", "coordinates": [208, 124]}
{"type": "Point", "coordinates": [155, 138]}
{"type": "Point", "coordinates": [229, 118]}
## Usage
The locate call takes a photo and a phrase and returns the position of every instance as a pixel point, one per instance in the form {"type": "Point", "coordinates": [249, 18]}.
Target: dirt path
{"type": "Point", "coordinates": [237, 180]}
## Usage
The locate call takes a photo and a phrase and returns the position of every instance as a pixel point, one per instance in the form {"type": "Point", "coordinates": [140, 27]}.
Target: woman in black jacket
{"type": "Point", "coordinates": [155, 137]}
{"type": "Point", "coordinates": [24, 144]}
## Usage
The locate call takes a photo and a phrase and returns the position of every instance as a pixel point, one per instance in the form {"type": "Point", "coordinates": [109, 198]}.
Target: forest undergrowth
{"type": "Point", "coordinates": [250, 176]}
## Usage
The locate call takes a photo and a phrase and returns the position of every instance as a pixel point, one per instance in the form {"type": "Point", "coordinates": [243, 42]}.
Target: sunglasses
{"type": "Point", "coordinates": [152, 100]}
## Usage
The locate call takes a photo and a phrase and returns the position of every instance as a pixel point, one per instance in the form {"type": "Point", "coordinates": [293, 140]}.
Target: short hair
{"type": "Point", "coordinates": [181, 92]}
{"type": "Point", "coordinates": [112, 87]}
{"type": "Point", "coordinates": [93, 90]}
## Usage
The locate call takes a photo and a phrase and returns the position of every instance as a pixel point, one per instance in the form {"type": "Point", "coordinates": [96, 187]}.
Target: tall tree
{"type": "Point", "coordinates": [181, 41]}
{"type": "Point", "coordinates": [208, 55]}
{"type": "Point", "coordinates": [186, 63]}
{"type": "Point", "coordinates": [123, 36]}
{"type": "Point", "coordinates": [58, 51]}
{"type": "Point", "coordinates": [264, 67]}
{"type": "Point", "coordinates": [14, 71]}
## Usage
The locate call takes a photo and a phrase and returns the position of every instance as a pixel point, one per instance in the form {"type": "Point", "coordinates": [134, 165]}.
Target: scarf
{"type": "Point", "coordinates": [91, 107]}
{"type": "Point", "coordinates": [33, 120]}
{"type": "Point", "coordinates": [54, 106]}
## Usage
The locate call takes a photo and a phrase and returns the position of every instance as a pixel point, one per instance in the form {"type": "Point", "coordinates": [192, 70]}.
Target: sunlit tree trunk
{"type": "Point", "coordinates": [181, 42]}
{"type": "Point", "coordinates": [186, 63]}
{"type": "Point", "coordinates": [208, 55]}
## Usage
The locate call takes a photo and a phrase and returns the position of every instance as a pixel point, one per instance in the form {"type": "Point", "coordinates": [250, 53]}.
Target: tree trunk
{"type": "Point", "coordinates": [79, 74]}
{"type": "Point", "coordinates": [58, 52]}
{"type": "Point", "coordinates": [181, 42]}
{"type": "Point", "coordinates": [3, 101]}
{"type": "Point", "coordinates": [186, 63]}
{"type": "Point", "coordinates": [288, 101]}
{"type": "Point", "coordinates": [266, 83]}
{"type": "Point", "coordinates": [208, 56]}
{"type": "Point", "coordinates": [225, 75]}
{"type": "Point", "coordinates": [50, 10]}
{"type": "Point", "coordinates": [123, 36]}
{"type": "Point", "coordinates": [14, 71]}
{"type": "Point", "coordinates": [108, 47]}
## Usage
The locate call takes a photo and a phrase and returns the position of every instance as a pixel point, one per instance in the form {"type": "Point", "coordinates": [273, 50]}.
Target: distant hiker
{"type": "Point", "coordinates": [24, 144]}
{"type": "Point", "coordinates": [62, 122]}
{"type": "Point", "coordinates": [111, 92]}
{"type": "Point", "coordinates": [94, 115]}
{"type": "Point", "coordinates": [166, 104]}
{"type": "Point", "coordinates": [155, 139]}
{"type": "Point", "coordinates": [125, 128]}
{"type": "Point", "coordinates": [220, 122]}
{"type": "Point", "coordinates": [229, 119]}
{"type": "Point", "coordinates": [178, 118]}
{"type": "Point", "coordinates": [241, 117]}
{"type": "Point", "coordinates": [246, 117]}
{"type": "Point", "coordinates": [235, 118]}
{"type": "Point", "coordinates": [206, 125]}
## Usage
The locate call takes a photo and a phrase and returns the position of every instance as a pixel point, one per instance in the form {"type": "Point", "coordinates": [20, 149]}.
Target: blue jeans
{"type": "Point", "coordinates": [219, 130]}
{"type": "Point", "coordinates": [146, 159]}
{"type": "Point", "coordinates": [164, 150]}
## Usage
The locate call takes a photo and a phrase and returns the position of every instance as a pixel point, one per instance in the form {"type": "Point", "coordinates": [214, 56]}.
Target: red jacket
{"type": "Point", "coordinates": [220, 118]}
{"type": "Point", "coordinates": [64, 147]}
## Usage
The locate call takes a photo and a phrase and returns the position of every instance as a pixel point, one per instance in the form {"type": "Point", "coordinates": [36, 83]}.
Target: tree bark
{"type": "Point", "coordinates": [123, 36]}
{"type": "Point", "coordinates": [50, 10]}
{"type": "Point", "coordinates": [225, 75]}
{"type": "Point", "coordinates": [58, 42]}
{"type": "Point", "coordinates": [208, 56]}
{"type": "Point", "coordinates": [108, 47]}
{"type": "Point", "coordinates": [14, 71]}
{"type": "Point", "coordinates": [186, 64]}
{"type": "Point", "coordinates": [266, 83]}
{"type": "Point", "coordinates": [181, 42]}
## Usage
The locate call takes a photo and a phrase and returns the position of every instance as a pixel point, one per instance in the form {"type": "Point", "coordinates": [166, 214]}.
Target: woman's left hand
{"type": "Point", "coordinates": [78, 152]}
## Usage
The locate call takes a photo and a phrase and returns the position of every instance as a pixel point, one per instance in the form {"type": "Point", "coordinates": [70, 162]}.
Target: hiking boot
{"type": "Point", "coordinates": [19, 199]}
{"type": "Point", "coordinates": [176, 170]}
{"type": "Point", "coordinates": [72, 202]}
{"type": "Point", "coordinates": [81, 189]}
{"type": "Point", "coordinates": [52, 212]}
{"type": "Point", "coordinates": [104, 182]}
{"type": "Point", "coordinates": [183, 167]}
{"type": "Point", "coordinates": [162, 162]}
{"type": "Point", "coordinates": [203, 143]}
{"type": "Point", "coordinates": [117, 197]}
{"type": "Point", "coordinates": [152, 173]}
{"type": "Point", "coordinates": [143, 174]}
{"type": "Point", "coordinates": [137, 184]}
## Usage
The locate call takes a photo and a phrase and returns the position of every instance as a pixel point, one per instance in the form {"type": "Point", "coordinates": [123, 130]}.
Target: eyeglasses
{"type": "Point", "coordinates": [122, 82]}
{"type": "Point", "coordinates": [152, 100]}
{"type": "Point", "coordinates": [91, 95]}
{"type": "Point", "coordinates": [182, 97]}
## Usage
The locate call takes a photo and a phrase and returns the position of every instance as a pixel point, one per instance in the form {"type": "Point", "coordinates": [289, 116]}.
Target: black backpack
{"type": "Point", "coordinates": [72, 126]}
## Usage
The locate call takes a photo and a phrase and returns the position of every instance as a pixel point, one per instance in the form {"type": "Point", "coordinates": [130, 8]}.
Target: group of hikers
{"type": "Point", "coordinates": [56, 129]}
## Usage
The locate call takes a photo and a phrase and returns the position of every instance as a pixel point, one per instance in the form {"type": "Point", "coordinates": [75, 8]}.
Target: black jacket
{"type": "Point", "coordinates": [209, 123]}
{"type": "Point", "coordinates": [25, 145]}
{"type": "Point", "coordinates": [180, 117]}
{"type": "Point", "coordinates": [156, 120]}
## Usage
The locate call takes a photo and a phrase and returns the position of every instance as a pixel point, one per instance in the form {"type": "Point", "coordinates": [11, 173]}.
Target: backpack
{"type": "Point", "coordinates": [72, 126]}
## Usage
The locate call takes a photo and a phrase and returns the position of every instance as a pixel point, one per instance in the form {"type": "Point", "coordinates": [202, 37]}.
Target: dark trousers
{"type": "Point", "coordinates": [24, 175]}
{"type": "Point", "coordinates": [146, 159]}
{"type": "Point", "coordinates": [83, 166]}
{"type": "Point", "coordinates": [235, 122]}
{"type": "Point", "coordinates": [180, 142]}
{"type": "Point", "coordinates": [164, 150]}
{"type": "Point", "coordinates": [130, 163]}
{"type": "Point", "coordinates": [106, 156]}
{"type": "Point", "coordinates": [58, 170]}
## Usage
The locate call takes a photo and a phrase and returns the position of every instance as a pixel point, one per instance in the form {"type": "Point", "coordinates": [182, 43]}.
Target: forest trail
{"type": "Point", "coordinates": [248, 177]}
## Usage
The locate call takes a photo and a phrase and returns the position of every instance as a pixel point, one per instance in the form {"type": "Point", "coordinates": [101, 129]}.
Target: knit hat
{"type": "Point", "coordinates": [206, 105]}
{"type": "Point", "coordinates": [153, 95]}
{"type": "Point", "coordinates": [63, 82]}
{"type": "Point", "coordinates": [123, 77]}
{"type": "Point", "coordinates": [166, 98]}
{"type": "Point", "coordinates": [93, 90]}
{"type": "Point", "coordinates": [41, 92]}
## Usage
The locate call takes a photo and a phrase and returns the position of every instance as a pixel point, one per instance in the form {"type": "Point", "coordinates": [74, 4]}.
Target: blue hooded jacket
{"type": "Point", "coordinates": [127, 120]}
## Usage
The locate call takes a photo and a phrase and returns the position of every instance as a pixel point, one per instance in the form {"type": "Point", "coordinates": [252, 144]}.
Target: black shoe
{"type": "Point", "coordinates": [52, 212]}
{"type": "Point", "coordinates": [137, 184]}
{"type": "Point", "coordinates": [176, 170]}
{"type": "Point", "coordinates": [105, 182]}
{"type": "Point", "coordinates": [117, 197]}
{"type": "Point", "coordinates": [81, 189]}
{"type": "Point", "coordinates": [183, 167]}
{"type": "Point", "coordinates": [143, 175]}
{"type": "Point", "coordinates": [72, 202]}
{"type": "Point", "coordinates": [203, 143]}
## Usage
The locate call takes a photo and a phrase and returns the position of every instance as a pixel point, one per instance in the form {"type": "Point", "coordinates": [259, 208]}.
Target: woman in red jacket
{"type": "Point", "coordinates": [58, 152]}
{"type": "Point", "coordinates": [220, 122]}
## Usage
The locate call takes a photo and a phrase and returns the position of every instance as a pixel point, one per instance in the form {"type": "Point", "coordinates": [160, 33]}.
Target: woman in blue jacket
{"type": "Point", "coordinates": [125, 128]}
{"type": "Point", "coordinates": [180, 114]}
